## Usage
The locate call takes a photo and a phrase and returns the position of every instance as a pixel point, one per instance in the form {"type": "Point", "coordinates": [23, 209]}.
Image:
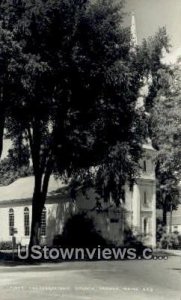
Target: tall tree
{"type": "Point", "coordinates": [163, 105]}
{"type": "Point", "coordinates": [166, 133]}
{"type": "Point", "coordinates": [10, 60]}
{"type": "Point", "coordinates": [76, 98]}
{"type": "Point", "coordinates": [77, 85]}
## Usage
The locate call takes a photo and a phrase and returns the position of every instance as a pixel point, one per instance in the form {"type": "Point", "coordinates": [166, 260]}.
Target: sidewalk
{"type": "Point", "coordinates": [169, 251]}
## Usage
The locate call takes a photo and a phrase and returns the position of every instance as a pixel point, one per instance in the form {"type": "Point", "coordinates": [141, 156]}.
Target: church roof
{"type": "Point", "coordinates": [23, 188]}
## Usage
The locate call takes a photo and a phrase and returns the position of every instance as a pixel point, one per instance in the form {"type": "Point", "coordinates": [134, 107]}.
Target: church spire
{"type": "Point", "coordinates": [134, 40]}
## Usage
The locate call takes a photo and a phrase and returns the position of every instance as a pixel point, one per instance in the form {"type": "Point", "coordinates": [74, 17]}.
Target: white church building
{"type": "Point", "coordinates": [137, 212]}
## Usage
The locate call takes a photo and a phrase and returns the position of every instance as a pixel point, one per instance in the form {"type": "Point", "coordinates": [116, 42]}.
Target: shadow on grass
{"type": "Point", "coordinates": [7, 259]}
{"type": "Point", "coordinates": [80, 233]}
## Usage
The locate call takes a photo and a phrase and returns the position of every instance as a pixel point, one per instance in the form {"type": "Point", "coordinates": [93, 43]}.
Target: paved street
{"type": "Point", "coordinates": [93, 281]}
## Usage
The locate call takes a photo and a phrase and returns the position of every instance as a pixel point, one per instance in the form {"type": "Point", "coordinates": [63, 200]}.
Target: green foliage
{"type": "Point", "coordinates": [150, 58]}
{"type": "Point", "coordinates": [74, 91]}
{"type": "Point", "coordinates": [10, 65]}
{"type": "Point", "coordinates": [171, 241]}
{"type": "Point", "coordinates": [77, 91]}
{"type": "Point", "coordinates": [166, 133]}
{"type": "Point", "coordinates": [163, 105]}
{"type": "Point", "coordinates": [15, 165]}
{"type": "Point", "coordinates": [6, 245]}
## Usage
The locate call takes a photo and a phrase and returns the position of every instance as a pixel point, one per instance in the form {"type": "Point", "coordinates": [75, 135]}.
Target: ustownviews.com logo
{"type": "Point", "coordinates": [58, 253]}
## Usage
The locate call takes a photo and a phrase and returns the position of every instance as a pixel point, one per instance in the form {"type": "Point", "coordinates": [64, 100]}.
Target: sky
{"type": "Point", "coordinates": [152, 14]}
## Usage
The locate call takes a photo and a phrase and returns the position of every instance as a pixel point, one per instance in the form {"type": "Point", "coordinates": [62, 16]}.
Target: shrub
{"type": "Point", "coordinates": [171, 241]}
{"type": "Point", "coordinates": [133, 240]}
{"type": "Point", "coordinates": [160, 232]}
{"type": "Point", "coordinates": [6, 245]}
{"type": "Point", "coordinates": [79, 231]}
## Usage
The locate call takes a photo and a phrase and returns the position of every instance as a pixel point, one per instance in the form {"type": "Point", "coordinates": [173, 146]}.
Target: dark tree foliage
{"type": "Point", "coordinates": [73, 94]}
{"type": "Point", "coordinates": [16, 164]}
{"type": "Point", "coordinates": [150, 56]}
{"type": "Point", "coordinates": [163, 105]}
{"type": "Point", "coordinates": [166, 135]}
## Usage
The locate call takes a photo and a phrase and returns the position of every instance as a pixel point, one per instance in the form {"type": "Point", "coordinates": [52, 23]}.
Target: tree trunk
{"type": "Point", "coordinates": [170, 225]}
{"type": "Point", "coordinates": [2, 123]}
{"type": "Point", "coordinates": [42, 171]}
{"type": "Point", "coordinates": [38, 202]}
{"type": "Point", "coordinates": [37, 207]}
{"type": "Point", "coordinates": [164, 215]}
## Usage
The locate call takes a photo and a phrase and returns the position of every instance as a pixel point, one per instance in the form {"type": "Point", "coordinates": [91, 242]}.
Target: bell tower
{"type": "Point", "coordinates": [143, 199]}
{"type": "Point", "coordinates": [134, 39]}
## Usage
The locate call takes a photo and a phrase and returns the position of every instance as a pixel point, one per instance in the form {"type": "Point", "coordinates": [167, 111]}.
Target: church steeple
{"type": "Point", "coordinates": [134, 39]}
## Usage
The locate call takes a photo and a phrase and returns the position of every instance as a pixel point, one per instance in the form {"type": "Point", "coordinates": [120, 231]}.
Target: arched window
{"type": "Point", "coordinates": [145, 226]}
{"type": "Point", "coordinates": [26, 221]}
{"type": "Point", "coordinates": [11, 221]}
{"type": "Point", "coordinates": [43, 222]}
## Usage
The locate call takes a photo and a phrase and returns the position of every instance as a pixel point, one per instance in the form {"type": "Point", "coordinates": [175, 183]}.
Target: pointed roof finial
{"type": "Point", "coordinates": [134, 40]}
